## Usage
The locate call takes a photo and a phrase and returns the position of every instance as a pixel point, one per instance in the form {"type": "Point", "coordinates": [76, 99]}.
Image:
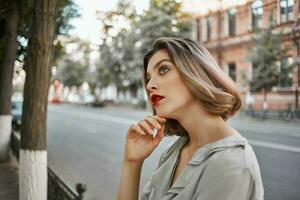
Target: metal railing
{"type": "Point", "coordinates": [57, 189]}
{"type": "Point", "coordinates": [15, 144]}
{"type": "Point", "coordinates": [288, 114]}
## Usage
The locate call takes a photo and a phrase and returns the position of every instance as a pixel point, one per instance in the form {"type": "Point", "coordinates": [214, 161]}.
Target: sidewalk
{"type": "Point", "coordinates": [9, 181]}
{"type": "Point", "coordinates": [271, 117]}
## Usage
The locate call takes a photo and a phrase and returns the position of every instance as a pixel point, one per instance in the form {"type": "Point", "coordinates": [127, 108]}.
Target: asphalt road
{"type": "Point", "coordinates": [86, 145]}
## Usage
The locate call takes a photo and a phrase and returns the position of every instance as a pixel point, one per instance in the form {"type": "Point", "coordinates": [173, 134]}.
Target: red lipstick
{"type": "Point", "coordinates": [156, 98]}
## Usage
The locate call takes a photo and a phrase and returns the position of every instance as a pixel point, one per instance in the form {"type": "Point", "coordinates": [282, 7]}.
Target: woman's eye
{"type": "Point", "coordinates": [163, 70]}
{"type": "Point", "coordinates": [147, 79]}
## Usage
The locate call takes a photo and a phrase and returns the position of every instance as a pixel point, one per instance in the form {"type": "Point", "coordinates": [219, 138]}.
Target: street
{"type": "Point", "coordinates": [86, 145]}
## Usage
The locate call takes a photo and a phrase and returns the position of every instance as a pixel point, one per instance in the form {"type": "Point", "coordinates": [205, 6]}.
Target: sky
{"type": "Point", "coordinates": [87, 26]}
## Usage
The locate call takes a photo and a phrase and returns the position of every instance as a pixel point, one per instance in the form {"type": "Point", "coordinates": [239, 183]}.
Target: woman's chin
{"type": "Point", "coordinates": [158, 112]}
{"type": "Point", "coordinates": [162, 113]}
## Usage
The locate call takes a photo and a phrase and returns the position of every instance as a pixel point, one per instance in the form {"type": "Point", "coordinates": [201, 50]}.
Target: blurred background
{"type": "Point", "coordinates": [96, 89]}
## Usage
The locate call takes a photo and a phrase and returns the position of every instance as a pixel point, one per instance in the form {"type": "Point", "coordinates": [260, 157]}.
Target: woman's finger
{"type": "Point", "coordinates": [145, 126]}
{"type": "Point", "coordinates": [161, 132]}
{"type": "Point", "coordinates": [135, 130]}
{"type": "Point", "coordinates": [160, 135]}
{"type": "Point", "coordinates": [138, 129]}
{"type": "Point", "coordinates": [151, 120]}
{"type": "Point", "coordinates": [160, 119]}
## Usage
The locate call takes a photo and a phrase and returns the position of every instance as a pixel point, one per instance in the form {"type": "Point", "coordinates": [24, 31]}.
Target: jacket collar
{"type": "Point", "coordinates": [161, 176]}
{"type": "Point", "coordinates": [202, 153]}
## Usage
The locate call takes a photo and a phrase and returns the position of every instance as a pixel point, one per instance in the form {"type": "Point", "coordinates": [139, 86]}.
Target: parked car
{"type": "Point", "coordinates": [100, 103]}
{"type": "Point", "coordinates": [16, 112]}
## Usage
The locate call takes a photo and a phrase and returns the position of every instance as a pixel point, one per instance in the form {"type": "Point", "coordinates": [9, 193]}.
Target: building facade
{"type": "Point", "coordinates": [226, 29]}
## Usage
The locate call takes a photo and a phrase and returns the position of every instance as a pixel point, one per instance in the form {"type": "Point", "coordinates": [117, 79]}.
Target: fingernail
{"type": "Point", "coordinates": [154, 132]}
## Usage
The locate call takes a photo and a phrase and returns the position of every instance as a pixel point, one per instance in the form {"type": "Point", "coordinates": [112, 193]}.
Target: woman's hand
{"type": "Point", "coordinates": [142, 139]}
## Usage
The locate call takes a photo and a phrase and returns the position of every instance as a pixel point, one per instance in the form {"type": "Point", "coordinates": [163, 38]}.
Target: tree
{"type": "Point", "coordinates": [8, 49]}
{"type": "Point", "coordinates": [15, 17]}
{"type": "Point", "coordinates": [67, 10]}
{"type": "Point", "coordinates": [268, 58]}
{"type": "Point", "coordinates": [124, 46]}
{"type": "Point", "coordinates": [117, 49]}
{"type": "Point", "coordinates": [74, 66]}
{"type": "Point", "coordinates": [73, 73]}
{"type": "Point", "coordinates": [164, 18]}
{"type": "Point", "coordinates": [103, 75]}
{"type": "Point", "coordinates": [33, 154]}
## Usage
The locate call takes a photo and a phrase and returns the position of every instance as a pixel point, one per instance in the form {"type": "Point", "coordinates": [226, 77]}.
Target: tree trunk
{"type": "Point", "coordinates": [6, 74]}
{"type": "Point", "coordinates": [33, 154]}
{"type": "Point", "coordinates": [265, 103]}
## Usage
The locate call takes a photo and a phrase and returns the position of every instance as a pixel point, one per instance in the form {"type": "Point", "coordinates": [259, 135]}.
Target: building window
{"type": "Point", "coordinates": [286, 72]}
{"type": "Point", "coordinates": [231, 21]}
{"type": "Point", "coordinates": [232, 71]}
{"type": "Point", "coordinates": [257, 14]}
{"type": "Point", "coordinates": [286, 10]}
{"type": "Point", "coordinates": [208, 28]}
{"type": "Point", "coordinates": [254, 70]}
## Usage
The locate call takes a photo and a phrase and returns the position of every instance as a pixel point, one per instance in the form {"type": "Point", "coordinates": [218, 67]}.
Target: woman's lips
{"type": "Point", "coordinates": [156, 98]}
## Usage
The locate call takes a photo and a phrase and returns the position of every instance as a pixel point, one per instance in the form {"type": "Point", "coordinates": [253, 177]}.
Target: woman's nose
{"type": "Point", "coordinates": [150, 86]}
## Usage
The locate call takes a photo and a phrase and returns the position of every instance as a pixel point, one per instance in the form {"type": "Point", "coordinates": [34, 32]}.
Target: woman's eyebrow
{"type": "Point", "coordinates": [158, 63]}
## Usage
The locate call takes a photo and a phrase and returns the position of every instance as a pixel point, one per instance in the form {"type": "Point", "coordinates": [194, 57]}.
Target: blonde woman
{"type": "Point", "coordinates": [191, 98]}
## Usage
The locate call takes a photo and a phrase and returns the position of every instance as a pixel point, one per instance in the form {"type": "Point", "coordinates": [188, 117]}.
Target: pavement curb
{"type": "Point", "coordinates": [9, 176]}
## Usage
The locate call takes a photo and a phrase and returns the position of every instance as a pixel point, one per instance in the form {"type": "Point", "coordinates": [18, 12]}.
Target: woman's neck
{"type": "Point", "coordinates": [203, 127]}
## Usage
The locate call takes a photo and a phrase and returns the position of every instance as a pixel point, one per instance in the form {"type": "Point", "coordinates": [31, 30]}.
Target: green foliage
{"type": "Point", "coordinates": [268, 57]}
{"type": "Point", "coordinates": [67, 10]}
{"type": "Point", "coordinates": [104, 75]}
{"type": "Point", "coordinates": [124, 46]}
{"type": "Point", "coordinates": [73, 73]}
{"type": "Point", "coordinates": [285, 78]}
{"type": "Point", "coordinates": [117, 50]}
{"type": "Point", "coordinates": [73, 68]}
{"type": "Point", "coordinates": [164, 18]}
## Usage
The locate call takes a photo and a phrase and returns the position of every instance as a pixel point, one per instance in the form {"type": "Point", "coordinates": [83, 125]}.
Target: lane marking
{"type": "Point", "coordinates": [266, 130]}
{"type": "Point", "coordinates": [93, 131]}
{"type": "Point", "coordinates": [108, 118]}
{"type": "Point", "coordinates": [276, 146]}
{"type": "Point", "coordinates": [125, 121]}
{"type": "Point", "coordinates": [115, 119]}
{"type": "Point", "coordinates": [235, 122]}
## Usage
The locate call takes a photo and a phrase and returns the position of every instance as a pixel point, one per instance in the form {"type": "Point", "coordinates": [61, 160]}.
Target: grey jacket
{"type": "Point", "coordinates": [226, 169]}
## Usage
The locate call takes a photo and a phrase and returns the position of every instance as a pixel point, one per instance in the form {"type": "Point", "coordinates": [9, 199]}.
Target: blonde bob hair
{"type": "Point", "coordinates": [203, 77]}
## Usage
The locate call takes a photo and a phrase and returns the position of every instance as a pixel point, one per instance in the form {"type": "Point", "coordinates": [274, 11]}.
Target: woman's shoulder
{"type": "Point", "coordinates": [233, 154]}
{"type": "Point", "coordinates": [234, 162]}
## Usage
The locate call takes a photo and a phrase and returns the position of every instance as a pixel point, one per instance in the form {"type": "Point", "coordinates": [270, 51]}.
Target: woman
{"type": "Point", "coordinates": [191, 98]}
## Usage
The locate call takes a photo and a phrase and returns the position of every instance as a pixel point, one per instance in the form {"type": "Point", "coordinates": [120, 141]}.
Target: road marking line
{"type": "Point", "coordinates": [131, 121]}
{"type": "Point", "coordinates": [271, 145]}
{"type": "Point", "coordinates": [112, 119]}
{"type": "Point", "coordinates": [103, 117]}
{"type": "Point", "coordinates": [268, 132]}
{"type": "Point", "coordinates": [92, 131]}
